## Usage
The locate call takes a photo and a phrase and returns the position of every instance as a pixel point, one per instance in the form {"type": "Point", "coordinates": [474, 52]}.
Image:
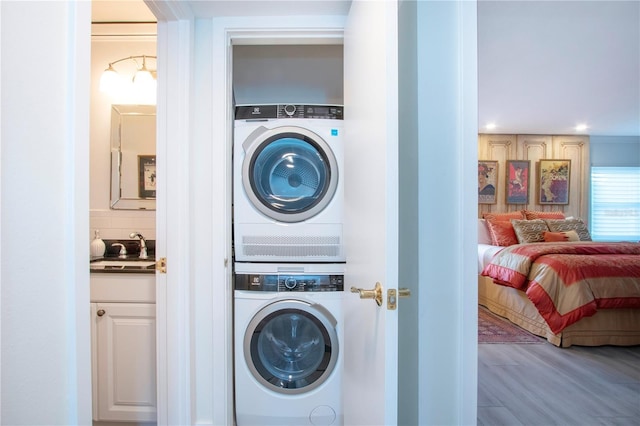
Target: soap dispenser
{"type": "Point", "coordinates": [97, 245]}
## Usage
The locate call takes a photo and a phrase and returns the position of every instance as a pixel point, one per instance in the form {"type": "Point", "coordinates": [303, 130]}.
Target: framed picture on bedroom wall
{"type": "Point", "coordinates": [553, 181]}
{"type": "Point", "coordinates": [517, 182]}
{"type": "Point", "coordinates": [487, 181]}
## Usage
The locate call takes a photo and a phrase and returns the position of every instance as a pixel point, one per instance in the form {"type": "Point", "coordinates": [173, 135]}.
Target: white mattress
{"type": "Point", "coordinates": [485, 254]}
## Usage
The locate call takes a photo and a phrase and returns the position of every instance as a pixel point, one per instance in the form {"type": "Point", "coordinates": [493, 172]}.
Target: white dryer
{"type": "Point", "coordinates": [288, 330]}
{"type": "Point", "coordinates": [288, 183]}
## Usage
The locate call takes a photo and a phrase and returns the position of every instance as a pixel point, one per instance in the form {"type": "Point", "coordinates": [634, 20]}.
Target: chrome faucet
{"type": "Point", "coordinates": [143, 244]}
{"type": "Point", "coordinates": [123, 250]}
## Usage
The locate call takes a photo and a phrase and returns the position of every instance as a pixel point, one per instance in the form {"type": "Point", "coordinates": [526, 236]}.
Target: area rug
{"type": "Point", "coordinates": [494, 329]}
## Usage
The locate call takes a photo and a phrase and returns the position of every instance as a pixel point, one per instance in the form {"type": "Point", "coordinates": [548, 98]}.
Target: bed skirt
{"type": "Point", "coordinates": [619, 327]}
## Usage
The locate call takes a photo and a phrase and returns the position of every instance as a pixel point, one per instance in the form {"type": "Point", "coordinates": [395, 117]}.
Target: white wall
{"type": "Point", "coordinates": [44, 281]}
{"type": "Point", "coordinates": [408, 256]}
{"type": "Point", "coordinates": [615, 151]}
{"type": "Point", "coordinates": [447, 132]}
{"type": "Point", "coordinates": [309, 74]}
{"type": "Point", "coordinates": [108, 44]}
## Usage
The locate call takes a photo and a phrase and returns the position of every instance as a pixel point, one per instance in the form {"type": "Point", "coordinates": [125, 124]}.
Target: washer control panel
{"type": "Point", "coordinates": [265, 112]}
{"type": "Point", "coordinates": [289, 282]}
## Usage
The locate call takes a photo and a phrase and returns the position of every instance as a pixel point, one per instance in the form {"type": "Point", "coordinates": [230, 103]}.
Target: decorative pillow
{"type": "Point", "coordinates": [529, 214]}
{"type": "Point", "coordinates": [503, 216]}
{"type": "Point", "coordinates": [560, 236]}
{"type": "Point", "coordinates": [529, 231]}
{"type": "Point", "coordinates": [484, 237]}
{"type": "Point", "coordinates": [502, 233]}
{"type": "Point", "coordinates": [559, 225]}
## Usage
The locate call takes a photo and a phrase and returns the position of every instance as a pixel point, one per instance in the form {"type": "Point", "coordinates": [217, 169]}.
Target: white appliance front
{"type": "Point", "coordinates": [287, 184]}
{"type": "Point", "coordinates": [288, 329]}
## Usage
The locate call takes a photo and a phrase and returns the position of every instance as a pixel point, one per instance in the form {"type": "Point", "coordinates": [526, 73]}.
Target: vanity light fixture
{"type": "Point", "coordinates": [144, 77]}
{"type": "Point", "coordinates": [581, 127]}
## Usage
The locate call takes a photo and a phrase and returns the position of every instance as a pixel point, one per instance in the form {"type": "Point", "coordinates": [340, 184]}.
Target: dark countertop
{"type": "Point", "coordinates": [132, 258]}
{"type": "Point", "coordinates": [133, 265]}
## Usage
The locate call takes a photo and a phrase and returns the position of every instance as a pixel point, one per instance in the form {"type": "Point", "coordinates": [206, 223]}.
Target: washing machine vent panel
{"type": "Point", "coordinates": [294, 247]}
{"type": "Point", "coordinates": [291, 240]}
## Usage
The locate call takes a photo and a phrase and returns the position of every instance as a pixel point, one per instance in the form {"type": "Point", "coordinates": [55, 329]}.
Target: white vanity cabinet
{"type": "Point", "coordinates": [123, 340]}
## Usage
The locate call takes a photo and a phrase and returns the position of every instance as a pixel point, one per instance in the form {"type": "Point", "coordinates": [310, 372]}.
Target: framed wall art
{"type": "Point", "coordinates": [147, 176]}
{"type": "Point", "coordinates": [487, 181]}
{"type": "Point", "coordinates": [553, 181]}
{"type": "Point", "coordinates": [517, 182]}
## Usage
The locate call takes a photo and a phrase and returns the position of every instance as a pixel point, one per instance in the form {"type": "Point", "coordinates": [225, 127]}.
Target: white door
{"type": "Point", "coordinates": [371, 206]}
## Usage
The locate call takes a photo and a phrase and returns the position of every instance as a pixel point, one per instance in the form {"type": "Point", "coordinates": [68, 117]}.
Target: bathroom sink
{"type": "Point", "coordinates": [122, 265]}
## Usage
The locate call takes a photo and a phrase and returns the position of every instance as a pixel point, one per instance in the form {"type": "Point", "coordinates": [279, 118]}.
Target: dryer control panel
{"type": "Point", "coordinates": [289, 282]}
{"type": "Point", "coordinates": [265, 112]}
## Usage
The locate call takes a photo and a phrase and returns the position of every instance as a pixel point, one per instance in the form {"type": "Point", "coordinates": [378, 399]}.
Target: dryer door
{"type": "Point", "coordinates": [289, 173]}
{"type": "Point", "coordinates": [291, 346]}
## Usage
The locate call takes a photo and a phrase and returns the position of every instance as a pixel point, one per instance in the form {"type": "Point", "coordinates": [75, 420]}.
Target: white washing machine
{"type": "Point", "coordinates": [288, 330]}
{"type": "Point", "coordinates": [288, 183]}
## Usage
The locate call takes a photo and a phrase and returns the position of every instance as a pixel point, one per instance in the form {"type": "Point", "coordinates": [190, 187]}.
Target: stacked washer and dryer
{"type": "Point", "coordinates": [289, 264]}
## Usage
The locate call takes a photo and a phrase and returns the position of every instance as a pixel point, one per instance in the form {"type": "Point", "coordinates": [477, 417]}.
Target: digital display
{"type": "Point", "coordinates": [318, 110]}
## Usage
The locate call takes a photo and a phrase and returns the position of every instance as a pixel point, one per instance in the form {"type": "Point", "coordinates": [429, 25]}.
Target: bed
{"type": "Point", "coordinates": [576, 292]}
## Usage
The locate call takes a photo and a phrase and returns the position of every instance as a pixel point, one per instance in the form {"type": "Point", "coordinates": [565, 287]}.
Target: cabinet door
{"type": "Point", "coordinates": [125, 357]}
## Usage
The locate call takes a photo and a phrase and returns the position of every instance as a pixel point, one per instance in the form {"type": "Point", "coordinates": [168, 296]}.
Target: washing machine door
{"type": "Point", "coordinates": [291, 346]}
{"type": "Point", "coordinates": [289, 173]}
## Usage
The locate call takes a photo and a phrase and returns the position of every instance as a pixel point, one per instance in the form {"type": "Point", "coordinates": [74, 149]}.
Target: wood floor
{"type": "Point", "coordinates": [540, 384]}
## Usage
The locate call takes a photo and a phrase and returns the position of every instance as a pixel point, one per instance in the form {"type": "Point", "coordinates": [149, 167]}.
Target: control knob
{"type": "Point", "coordinates": [290, 283]}
{"type": "Point", "coordinates": [290, 110]}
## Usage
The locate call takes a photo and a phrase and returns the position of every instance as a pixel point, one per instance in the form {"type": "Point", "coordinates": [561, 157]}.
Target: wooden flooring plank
{"type": "Point", "coordinates": [496, 416]}
{"type": "Point", "coordinates": [546, 385]}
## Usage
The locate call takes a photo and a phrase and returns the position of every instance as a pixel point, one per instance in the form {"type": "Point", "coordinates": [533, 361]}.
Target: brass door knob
{"type": "Point", "coordinates": [101, 312]}
{"type": "Point", "coordinates": [375, 294]}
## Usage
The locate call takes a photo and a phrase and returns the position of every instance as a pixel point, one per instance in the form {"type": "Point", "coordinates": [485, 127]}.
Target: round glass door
{"type": "Point", "coordinates": [291, 347]}
{"type": "Point", "coordinates": [289, 173]}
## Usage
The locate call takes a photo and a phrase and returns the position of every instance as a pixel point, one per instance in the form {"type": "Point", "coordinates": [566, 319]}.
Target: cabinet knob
{"type": "Point", "coordinates": [101, 312]}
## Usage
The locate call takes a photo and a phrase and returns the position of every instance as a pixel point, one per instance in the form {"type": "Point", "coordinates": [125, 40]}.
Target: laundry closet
{"type": "Point", "coordinates": [289, 258]}
{"type": "Point", "coordinates": [196, 100]}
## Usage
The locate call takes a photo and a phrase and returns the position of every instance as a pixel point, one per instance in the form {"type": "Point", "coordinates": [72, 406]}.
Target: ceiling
{"type": "Point", "coordinates": [543, 66]}
{"type": "Point", "coordinates": [546, 66]}
{"type": "Point", "coordinates": [109, 11]}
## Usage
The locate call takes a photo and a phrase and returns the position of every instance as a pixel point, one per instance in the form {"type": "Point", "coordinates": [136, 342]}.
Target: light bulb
{"type": "Point", "coordinates": [143, 77]}
{"type": "Point", "coordinates": [110, 80]}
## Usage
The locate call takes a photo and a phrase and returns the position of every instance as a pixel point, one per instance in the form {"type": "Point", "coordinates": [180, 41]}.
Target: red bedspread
{"type": "Point", "coordinates": [569, 281]}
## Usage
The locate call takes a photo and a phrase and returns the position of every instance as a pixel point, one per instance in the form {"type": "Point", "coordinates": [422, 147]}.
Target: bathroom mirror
{"type": "Point", "coordinates": [133, 157]}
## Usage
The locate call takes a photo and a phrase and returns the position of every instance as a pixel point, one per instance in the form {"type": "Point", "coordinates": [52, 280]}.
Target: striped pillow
{"type": "Point", "coordinates": [530, 231]}
{"type": "Point", "coordinates": [529, 214]}
{"type": "Point", "coordinates": [503, 216]}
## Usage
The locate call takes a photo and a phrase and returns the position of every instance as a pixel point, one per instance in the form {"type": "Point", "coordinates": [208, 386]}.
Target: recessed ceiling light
{"type": "Point", "coordinates": [581, 127]}
{"type": "Point", "coordinates": [490, 126]}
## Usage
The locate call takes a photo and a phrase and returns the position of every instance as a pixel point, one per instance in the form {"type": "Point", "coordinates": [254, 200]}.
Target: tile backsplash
{"type": "Point", "coordinates": [118, 224]}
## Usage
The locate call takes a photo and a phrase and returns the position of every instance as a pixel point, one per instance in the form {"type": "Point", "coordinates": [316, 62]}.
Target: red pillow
{"type": "Point", "coordinates": [530, 215]}
{"type": "Point", "coordinates": [502, 233]}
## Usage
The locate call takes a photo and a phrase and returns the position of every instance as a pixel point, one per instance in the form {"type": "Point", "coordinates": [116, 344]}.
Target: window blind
{"type": "Point", "coordinates": [615, 203]}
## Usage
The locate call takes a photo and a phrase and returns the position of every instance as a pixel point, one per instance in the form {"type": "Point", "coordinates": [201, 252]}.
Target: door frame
{"type": "Point", "coordinates": [181, 394]}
